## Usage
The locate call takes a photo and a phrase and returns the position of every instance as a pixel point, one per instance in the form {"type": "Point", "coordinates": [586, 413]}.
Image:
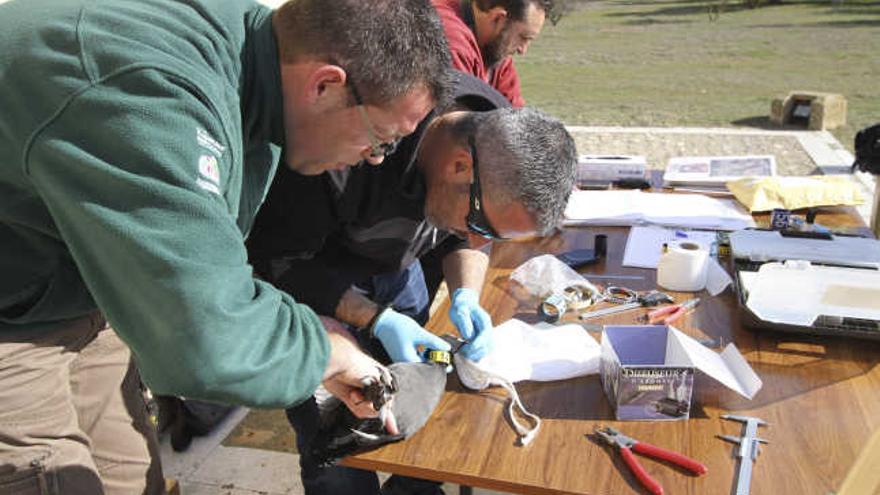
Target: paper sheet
{"type": "Point", "coordinates": [645, 244]}
{"type": "Point", "coordinates": [729, 368]}
{"type": "Point", "coordinates": [694, 211]}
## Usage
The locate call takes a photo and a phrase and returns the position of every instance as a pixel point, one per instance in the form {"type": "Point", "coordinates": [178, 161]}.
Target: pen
{"type": "Point", "coordinates": [670, 314]}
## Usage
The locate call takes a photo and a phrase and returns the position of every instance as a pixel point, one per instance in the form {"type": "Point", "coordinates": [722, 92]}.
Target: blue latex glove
{"type": "Point", "coordinates": [473, 323]}
{"type": "Point", "coordinates": [400, 335]}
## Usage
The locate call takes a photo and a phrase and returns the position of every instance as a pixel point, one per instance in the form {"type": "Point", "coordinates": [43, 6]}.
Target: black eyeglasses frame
{"type": "Point", "coordinates": [377, 146]}
{"type": "Point", "coordinates": [476, 219]}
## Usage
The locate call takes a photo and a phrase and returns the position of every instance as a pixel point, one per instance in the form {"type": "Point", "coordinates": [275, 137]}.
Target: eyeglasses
{"type": "Point", "coordinates": [476, 219]}
{"type": "Point", "coordinates": [377, 146]}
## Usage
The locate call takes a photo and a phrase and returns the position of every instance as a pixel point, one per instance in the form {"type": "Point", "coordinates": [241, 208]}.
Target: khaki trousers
{"type": "Point", "coordinates": [72, 416]}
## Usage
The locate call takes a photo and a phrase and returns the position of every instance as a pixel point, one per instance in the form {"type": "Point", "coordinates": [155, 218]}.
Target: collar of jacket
{"type": "Point", "coordinates": [467, 15]}
{"type": "Point", "coordinates": [262, 106]}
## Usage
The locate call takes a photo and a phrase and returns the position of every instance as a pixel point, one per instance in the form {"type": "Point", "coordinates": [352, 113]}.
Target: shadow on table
{"type": "Point", "coordinates": [790, 365]}
{"type": "Point", "coordinates": [578, 398]}
{"type": "Point", "coordinates": [794, 365]}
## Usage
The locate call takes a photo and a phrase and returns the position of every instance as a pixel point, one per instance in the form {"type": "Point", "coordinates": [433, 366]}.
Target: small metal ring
{"type": "Point", "coordinates": [619, 295]}
{"type": "Point", "coordinates": [553, 307]}
{"type": "Point", "coordinates": [580, 296]}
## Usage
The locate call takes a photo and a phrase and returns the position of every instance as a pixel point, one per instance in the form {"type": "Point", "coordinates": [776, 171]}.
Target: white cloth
{"type": "Point", "coordinates": [530, 352]}
{"type": "Point", "coordinates": [541, 352]}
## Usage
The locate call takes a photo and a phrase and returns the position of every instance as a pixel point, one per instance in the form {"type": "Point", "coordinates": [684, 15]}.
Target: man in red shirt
{"type": "Point", "coordinates": [483, 34]}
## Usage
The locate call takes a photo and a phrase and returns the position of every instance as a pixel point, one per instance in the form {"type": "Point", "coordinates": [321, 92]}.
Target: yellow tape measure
{"type": "Point", "coordinates": [436, 356]}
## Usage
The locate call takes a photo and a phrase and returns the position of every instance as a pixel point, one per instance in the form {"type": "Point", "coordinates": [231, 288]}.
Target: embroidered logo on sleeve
{"type": "Point", "coordinates": [209, 174]}
{"type": "Point", "coordinates": [209, 169]}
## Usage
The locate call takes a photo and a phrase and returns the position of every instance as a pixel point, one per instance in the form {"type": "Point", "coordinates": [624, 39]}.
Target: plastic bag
{"type": "Point", "coordinates": [545, 275]}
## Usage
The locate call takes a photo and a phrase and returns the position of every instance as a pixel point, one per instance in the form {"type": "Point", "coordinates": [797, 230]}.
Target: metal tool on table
{"type": "Point", "coordinates": [669, 314]}
{"type": "Point", "coordinates": [444, 357]}
{"type": "Point", "coordinates": [619, 295]}
{"type": "Point", "coordinates": [748, 449]}
{"type": "Point", "coordinates": [627, 446]}
{"type": "Point", "coordinates": [652, 298]}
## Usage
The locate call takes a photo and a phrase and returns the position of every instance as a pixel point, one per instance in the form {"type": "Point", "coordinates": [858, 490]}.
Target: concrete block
{"type": "Point", "coordinates": [826, 110]}
{"type": "Point", "coordinates": [777, 111]}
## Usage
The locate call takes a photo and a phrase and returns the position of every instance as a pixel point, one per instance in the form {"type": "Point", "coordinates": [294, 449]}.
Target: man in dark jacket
{"type": "Point", "coordinates": [464, 176]}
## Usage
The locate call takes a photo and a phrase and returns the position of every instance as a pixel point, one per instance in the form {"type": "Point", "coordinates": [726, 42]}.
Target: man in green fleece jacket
{"type": "Point", "coordinates": [137, 141]}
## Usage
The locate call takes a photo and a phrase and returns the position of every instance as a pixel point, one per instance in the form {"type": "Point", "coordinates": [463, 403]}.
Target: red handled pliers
{"type": "Point", "coordinates": [670, 314]}
{"type": "Point", "coordinates": [627, 446]}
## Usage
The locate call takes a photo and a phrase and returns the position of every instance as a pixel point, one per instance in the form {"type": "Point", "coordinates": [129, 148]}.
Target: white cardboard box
{"type": "Point", "coordinates": [648, 371]}
{"type": "Point", "coordinates": [602, 170]}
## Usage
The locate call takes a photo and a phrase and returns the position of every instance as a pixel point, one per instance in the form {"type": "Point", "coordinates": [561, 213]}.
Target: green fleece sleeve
{"type": "Point", "coordinates": [143, 179]}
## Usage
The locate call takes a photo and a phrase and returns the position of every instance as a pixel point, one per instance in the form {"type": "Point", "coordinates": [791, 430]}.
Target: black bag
{"type": "Point", "coordinates": [868, 150]}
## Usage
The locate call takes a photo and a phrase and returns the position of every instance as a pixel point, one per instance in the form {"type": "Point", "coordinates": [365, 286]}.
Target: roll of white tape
{"type": "Point", "coordinates": [683, 267]}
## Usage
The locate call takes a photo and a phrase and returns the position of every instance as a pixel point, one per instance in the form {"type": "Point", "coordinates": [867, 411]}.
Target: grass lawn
{"type": "Point", "coordinates": [665, 63]}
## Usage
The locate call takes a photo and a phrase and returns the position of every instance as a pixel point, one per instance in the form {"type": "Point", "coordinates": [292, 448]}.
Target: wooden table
{"type": "Point", "coordinates": [821, 397]}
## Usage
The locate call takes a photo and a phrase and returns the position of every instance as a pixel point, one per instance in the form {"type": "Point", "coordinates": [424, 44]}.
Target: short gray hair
{"type": "Point", "coordinates": [529, 157]}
